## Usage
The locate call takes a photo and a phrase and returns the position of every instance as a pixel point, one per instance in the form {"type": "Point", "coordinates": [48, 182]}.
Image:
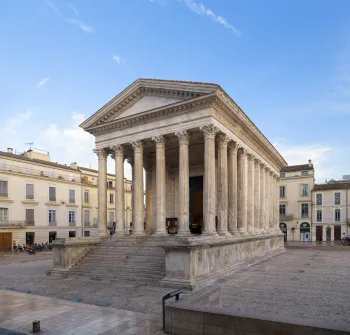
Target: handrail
{"type": "Point", "coordinates": [168, 296]}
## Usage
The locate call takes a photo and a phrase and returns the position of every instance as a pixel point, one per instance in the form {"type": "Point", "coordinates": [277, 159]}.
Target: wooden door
{"type": "Point", "coordinates": [319, 233]}
{"type": "Point", "coordinates": [5, 241]}
{"type": "Point", "coordinates": [337, 233]}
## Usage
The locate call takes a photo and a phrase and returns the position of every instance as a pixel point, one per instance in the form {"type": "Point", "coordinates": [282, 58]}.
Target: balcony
{"type": "Point", "coordinates": [12, 224]}
{"type": "Point", "coordinates": [29, 223]}
{"type": "Point", "coordinates": [86, 223]}
{"type": "Point", "coordinates": [72, 224]}
{"type": "Point", "coordinates": [52, 223]}
{"type": "Point", "coordinates": [286, 217]}
{"type": "Point", "coordinates": [304, 215]}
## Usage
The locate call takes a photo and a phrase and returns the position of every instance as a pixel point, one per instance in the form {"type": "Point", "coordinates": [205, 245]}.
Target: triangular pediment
{"type": "Point", "coordinates": [144, 95]}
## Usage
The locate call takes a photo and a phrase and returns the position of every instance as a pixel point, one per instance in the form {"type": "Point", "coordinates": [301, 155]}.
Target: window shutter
{"type": "Point", "coordinates": [337, 198]}
{"type": "Point", "coordinates": [30, 191]}
{"type": "Point", "coordinates": [52, 193]}
{"type": "Point", "coordinates": [3, 188]}
{"type": "Point", "coordinates": [72, 196]}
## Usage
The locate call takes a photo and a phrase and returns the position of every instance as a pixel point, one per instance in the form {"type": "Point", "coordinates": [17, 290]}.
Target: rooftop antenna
{"type": "Point", "coordinates": [30, 145]}
{"type": "Point", "coordinates": [31, 148]}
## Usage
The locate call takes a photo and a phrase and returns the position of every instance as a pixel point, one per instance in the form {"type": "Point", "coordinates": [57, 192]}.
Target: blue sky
{"type": "Point", "coordinates": [285, 62]}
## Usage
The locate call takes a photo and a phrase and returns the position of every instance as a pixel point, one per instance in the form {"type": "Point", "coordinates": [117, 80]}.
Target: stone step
{"type": "Point", "coordinates": [144, 272]}
{"type": "Point", "coordinates": [121, 264]}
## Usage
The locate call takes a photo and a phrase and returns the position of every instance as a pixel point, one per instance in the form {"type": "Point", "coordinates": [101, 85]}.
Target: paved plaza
{"type": "Point", "coordinates": [302, 283]}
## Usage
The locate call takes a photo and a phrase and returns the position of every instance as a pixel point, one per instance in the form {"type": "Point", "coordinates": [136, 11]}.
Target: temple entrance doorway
{"type": "Point", "coordinates": [196, 204]}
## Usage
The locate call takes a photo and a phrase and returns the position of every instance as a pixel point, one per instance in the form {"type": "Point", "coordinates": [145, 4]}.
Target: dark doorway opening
{"type": "Point", "coordinates": [72, 234]}
{"type": "Point", "coordinates": [196, 204]}
{"type": "Point", "coordinates": [319, 233]}
{"type": "Point", "coordinates": [329, 234]}
{"type": "Point", "coordinates": [52, 236]}
{"type": "Point", "coordinates": [30, 237]}
{"type": "Point", "coordinates": [337, 233]}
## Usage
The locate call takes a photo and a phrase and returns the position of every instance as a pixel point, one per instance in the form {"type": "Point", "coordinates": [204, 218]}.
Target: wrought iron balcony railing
{"type": "Point", "coordinates": [286, 217]}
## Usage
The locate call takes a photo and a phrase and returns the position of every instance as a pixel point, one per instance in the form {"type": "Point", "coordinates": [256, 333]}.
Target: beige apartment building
{"type": "Point", "coordinates": [41, 200]}
{"type": "Point", "coordinates": [295, 198]}
{"type": "Point", "coordinates": [330, 215]}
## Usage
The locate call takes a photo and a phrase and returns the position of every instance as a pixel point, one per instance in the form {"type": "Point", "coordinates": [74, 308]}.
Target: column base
{"type": "Point", "coordinates": [160, 233]}
{"type": "Point", "coordinates": [138, 233]}
{"type": "Point", "coordinates": [243, 232]}
{"type": "Point", "coordinates": [209, 233]}
{"type": "Point", "coordinates": [223, 233]}
{"type": "Point", "coordinates": [185, 233]}
{"type": "Point", "coordinates": [119, 233]}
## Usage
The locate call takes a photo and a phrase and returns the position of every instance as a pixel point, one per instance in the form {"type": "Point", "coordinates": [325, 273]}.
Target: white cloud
{"type": "Point", "coordinates": [13, 124]}
{"type": "Point", "coordinates": [117, 59]}
{"type": "Point", "coordinates": [73, 8]}
{"type": "Point", "coordinates": [53, 7]}
{"type": "Point", "coordinates": [43, 82]}
{"type": "Point", "coordinates": [199, 8]}
{"type": "Point", "coordinates": [82, 26]}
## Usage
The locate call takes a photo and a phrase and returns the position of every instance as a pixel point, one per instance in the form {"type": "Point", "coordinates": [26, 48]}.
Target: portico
{"type": "Point", "coordinates": [176, 131]}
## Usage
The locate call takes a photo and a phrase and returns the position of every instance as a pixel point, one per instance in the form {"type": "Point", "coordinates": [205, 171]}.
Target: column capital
{"type": "Point", "coordinates": [257, 161]}
{"type": "Point", "coordinates": [183, 136]}
{"type": "Point", "coordinates": [242, 151]}
{"type": "Point", "coordinates": [101, 153]}
{"type": "Point", "coordinates": [117, 149]}
{"type": "Point", "coordinates": [209, 130]}
{"type": "Point", "coordinates": [223, 140]}
{"type": "Point", "coordinates": [160, 141]}
{"type": "Point", "coordinates": [271, 173]}
{"type": "Point", "coordinates": [267, 169]}
{"type": "Point", "coordinates": [250, 156]}
{"type": "Point", "coordinates": [137, 145]}
{"type": "Point", "coordinates": [233, 147]}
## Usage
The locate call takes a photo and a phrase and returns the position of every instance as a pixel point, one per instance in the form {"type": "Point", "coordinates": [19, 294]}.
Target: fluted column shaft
{"type": "Point", "coordinates": [271, 201]}
{"type": "Point", "coordinates": [119, 190]}
{"type": "Point", "coordinates": [184, 187]}
{"type": "Point", "coordinates": [209, 187]}
{"type": "Point", "coordinates": [267, 198]}
{"type": "Point", "coordinates": [256, 195]}
{"type": "Point", "coordinates": [232, 188]}
{"type": "Point", "coordinates": [160, 185]}
{"type": "Point", "coordinates": [250, 193]}
{"type": "Point", "coordinates": [222, 185]}
{"type": "Point", "coordinates": [262, 199]}
{"type": "Point", "coordinates": [149, 210]}
{"type": "Point", "coordinates": [102, 191]}
{"type": "Point", "coordinates": [242, 192]}
{"type": "Point", "coordinates": [276, 204]}
{"type": "Point", "coordinates": [137, 184]}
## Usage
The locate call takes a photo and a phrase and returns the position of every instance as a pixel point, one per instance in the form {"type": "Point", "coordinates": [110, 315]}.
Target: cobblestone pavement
{"type": "Point", "coordinates": [31, 277]}
{"type": "Point", "coordinates": [302, 283]}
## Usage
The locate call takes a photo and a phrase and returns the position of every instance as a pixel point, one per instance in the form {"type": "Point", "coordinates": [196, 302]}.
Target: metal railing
{"type": "Point", "coordinates": [52, 223]}
{"type": "Point", "coordinates": [286, 217]}
{"type": "Point", "coordinates": [175, 294]}
{"type": "Point", "coordinates": [86, 223]}
{"type": "Point", "coordinates": [72, 224]}
{"type": "Point", "coordinates": [12, 223]}
{"type": "Point", "coordinates": [29, 223]}
{"type": "Point", "coordinates": [304, 215]}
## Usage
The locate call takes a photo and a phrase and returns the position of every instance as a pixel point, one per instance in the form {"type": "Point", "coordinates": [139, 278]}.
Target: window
{"type": "Point", "coordinates": [86, 217]}
{"type": "Point", "coordinates": [319, 216]}
{"type": "Point", "coordinates": [282, 209]}
{"type": "Point", "coordinates": [110, 184]}
{"type": "Point", "coordinates": [304, 210]}
{"type": "Point", "coordinates": [72, 196]}
{"type": "Point", "coordinates": [337, 198]}
{"type": "Point", "coordinates": [4, 214]}
{"type": "Point", "coordinates": [29, 191]}
{"type": "Point", "coordinates": [337, 215]}
{"type": "Point", "coordinates": [52, 217]}
{"type": "Point", "coordinates": [282, 175]}
{"type": "Point", "coordinates": [319, 199]}
{"type": "Point", "coordinates": [72, 234]}
{"type": "Point", "coordinates": [86, 233]}
{"type": "Point", "coordinates": [52, 193]}
{"type": "Point", "coordinates": [3, 188]}
{"type": "Point", "coordinates": [111, 217]}
{"type": "Point", "coordinates": [29, 216]}
{"type": "Point", "coordinates": [304, 173]}
{"type": "Point", "coordinates": [304, 190]}
{"type": "Point", "coordinates": [71, 217]}
{"type": "Point", "coordinates": [86, 197]}
{"type": "Point", "coordinates": [282, 191]}
{"type": "Point", "coordinates": [111, 198]}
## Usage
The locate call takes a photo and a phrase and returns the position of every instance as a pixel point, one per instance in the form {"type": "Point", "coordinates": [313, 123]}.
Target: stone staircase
{"type": "Point", "coordinates": [130, 258]}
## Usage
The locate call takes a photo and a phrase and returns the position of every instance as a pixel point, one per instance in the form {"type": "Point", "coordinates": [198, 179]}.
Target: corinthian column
{"type": "Point", "coordinates": [222, 184]}
{"type": "Point", "coordinates": [242, 191]}
{"type": "Point", "coordinates": [267, 200]}
{"type": "Point", "coordinates": [250, 192]}
{"type": "Point", "coordinates": [209, 194]}
{"type": "Point", "coordinates": [232, 187]}
{"type": "Point", "coordinates": [119, 190]}
{"type": "Point", "coordinates": [137, 185]}
{"type": "Point", "coordinates": [271, 202]}
{"type": "Point", "coordinates": [257, 196]}
{"type": "Point", "coordinates": [262, 199]}
{"type": "Point", "coordinates": [183, 183]}
{"type": "Point", "coordinates": [102, 191]}
{"type": "Point", "coordinates": [160, 185]}
{"type": "Point", "coordinates": [149, 226]}
{"type": "Point", "coordinates": [276, 205]}
{"type": "Point", "coordinates": [131, 162]}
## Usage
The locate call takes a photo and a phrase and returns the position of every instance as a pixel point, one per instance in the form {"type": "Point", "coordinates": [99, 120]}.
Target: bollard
{"type": "Point", "coordinates": [36, 326]}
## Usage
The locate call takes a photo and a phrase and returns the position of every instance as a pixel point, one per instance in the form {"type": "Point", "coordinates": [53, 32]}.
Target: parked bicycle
{"type": "Point", "coordinates": [345, 240]}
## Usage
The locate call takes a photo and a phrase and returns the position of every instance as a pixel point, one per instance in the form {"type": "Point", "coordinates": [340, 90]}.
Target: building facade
{"type": "Point", "coordinates": [330, 215]}
{"type": "Point", "coordinates": [295, 202]}
{"type": "Point", "coordinates": [41, 200]}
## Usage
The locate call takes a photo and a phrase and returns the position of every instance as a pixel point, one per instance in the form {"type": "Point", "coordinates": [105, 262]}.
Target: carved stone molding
{"type": "Point", "coordinates": [137, 145]}
{"type": "Point", "coordinates": [101, 153]}
{"type": "Point", "coordinates": [223, 140]}
{"type": "Point", "coordinates": [183, 136]}
{"type": "Point", "coordinates": [160, 141]}
{"type": "Point", "coordinates": [209, 130]}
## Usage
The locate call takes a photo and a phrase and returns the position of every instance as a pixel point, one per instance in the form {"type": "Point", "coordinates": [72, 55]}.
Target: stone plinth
{"type": "Point", "coordinates": [197, 261]}
{"type": "Point", "coordinates": [67, 252]}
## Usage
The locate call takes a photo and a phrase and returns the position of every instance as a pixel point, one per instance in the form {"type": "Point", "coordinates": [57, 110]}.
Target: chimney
{"type": "Point", "coordinates": [74, 166]}
{"type": "Point", "coordinates": [310, 162]}
{"type": "Point", "coordinates": [10, 150]}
